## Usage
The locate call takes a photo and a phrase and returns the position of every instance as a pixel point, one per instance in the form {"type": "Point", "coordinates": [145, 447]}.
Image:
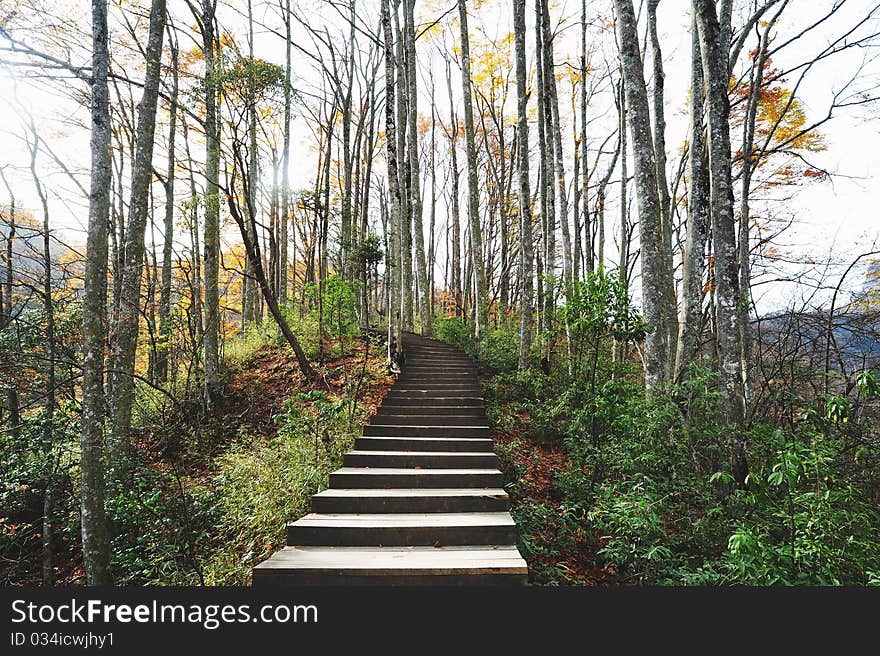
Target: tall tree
{"type": "Point", "coordinates": [96, 547]}
{"type": "Point", "coordinates": [657, 97]}
{"type": "Point", "coordinates": [525, 194]}
{"type": "Point", "coordinates": [727, 298]}
{"type": "Point", "coordinates": [415, 202]}
{"type": "Point", "coordinates": [653, 279]}
{"type": "Point", "coordinates": [285, 163]}
{"type": "Point", "coordinates": [691, 312]}
{"type": "Point", "coordinates": [392, 259]}
{"type": "Point", "coordinates": [168, 243]}
{"type": "Point", "coordinates": [128, 319]}
{"type": "Point", "coordinates": [473, 189]}
{"type": "Point", "coordinates": [211, 261]}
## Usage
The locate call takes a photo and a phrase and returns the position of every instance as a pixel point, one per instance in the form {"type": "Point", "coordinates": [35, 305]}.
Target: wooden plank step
{"type": "Point", "coordinates": [410, 500]}
{"type": "Point", "coordinates": [402, 529]}
{"type": "Point", "coordinates": [415, 430]}
{"type": "Point", "coordinates": [454, 565]}
{"type": "Point", "coordinates": [420, 398]}
{"type": "Point", "coordinates": [427, 386]}
{"type": "Point", "coordinates": [460, 410]}
{"type": "Point", "coordinates": [424, 459]}
{"type": "Point", "coordinates": [388, 419]}
{"type": "Point", "coordinates": [402, 477]}
{"type": "Point", "coordinates": [398, 397]}
{"type": "Point", "coordinates": [470, 444]}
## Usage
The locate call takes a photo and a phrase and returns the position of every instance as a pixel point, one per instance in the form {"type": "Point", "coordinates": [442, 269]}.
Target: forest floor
{"type": "Point", "coordinates": [255, 391]}
{"type": "Point", "coordinates": [560, 550]}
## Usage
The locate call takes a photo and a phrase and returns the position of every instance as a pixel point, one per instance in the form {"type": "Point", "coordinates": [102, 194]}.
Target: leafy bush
{"type": "Point", "coordinates": [262, 486]}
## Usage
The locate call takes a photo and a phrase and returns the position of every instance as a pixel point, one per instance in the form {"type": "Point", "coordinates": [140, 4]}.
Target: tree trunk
{"type": "Point", "coordinates": [6, 308]}
{"type": "Point", "coordinates": [129, 311]}
{"type": "Point", "coordinates": [691, 315]}
{"type": "Point", "coordinates": [95, 544]}
{"type": "Point", "coordinates": [525, 194]}
{"type": "Point", "coordinates": [252, 246]}
{"type": "Point", "coordinates": [653, 279]}
{"type": "Point", "coordinates": [392, 259]}
{"type": "Point", "coordinates": [168, 243]}
{"type": "Point", "coordinates": [49, 398]}
{"type": "Point", "coordinates": [715, 70]}
{"type": "Point", "coordinates": [415, 202]}
{"type": "Point", "coordinates": [212, 211]}
{"type": "Point", "coordinates": [669, 308]}
{"type": "Point", "coordinates": [473, 190]}
{"type": "Point", "coordinates": [456, 212]}
{"type": "Point", "coordinates": [285, 165]}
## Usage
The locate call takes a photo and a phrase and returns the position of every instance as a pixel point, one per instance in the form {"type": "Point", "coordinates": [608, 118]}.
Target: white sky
{"type": "Point", "coordinates": [838, 216]}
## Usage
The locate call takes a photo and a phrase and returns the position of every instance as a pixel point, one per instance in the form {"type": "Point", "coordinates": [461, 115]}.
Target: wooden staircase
{"type": "Point", "coordinates": [418, 500]}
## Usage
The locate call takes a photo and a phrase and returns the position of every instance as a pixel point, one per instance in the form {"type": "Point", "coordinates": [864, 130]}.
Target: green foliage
{"type": "Point", "coordinates": [456, 331]}
{"type": "Point", "coordinates": [160, 525]}
{"type": "Point", "coordinates": [368, 252]}
{"type": "Point", "coordinates": [262, 486]}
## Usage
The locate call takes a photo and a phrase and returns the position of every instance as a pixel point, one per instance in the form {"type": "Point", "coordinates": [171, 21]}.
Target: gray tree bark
{"type": "Point", "coordinates": [12, 405]}
{"type": "Point", "coordinates": [168, 243]}
{"type": "Point", "coordinates": [473, 190]}
{"type": "Point", "coordinates": [525, 194]}
{"type": "Point", "coordinates": [455, 219]}
{"type": "Point", "coordinates": [392, 258]}
{"type": "Point", "coordinates": [285, 165]}
{"type": "Point", "coordinates": [127, 322]}
{"type": "Point", "coordinates": [653, 281]}
{"type": "Point", "coordinates": [95, 544]}
{"type": "Point", "coordinates": [669, 305]}
{"type": "Point", "coordinates": [415, 202]}
{"type": "Point", "coordinates": [691, 313]}
{"type": "Point", "coordinates": [211, 259]}
{"type": "Point", "coordinates": [727, 295]}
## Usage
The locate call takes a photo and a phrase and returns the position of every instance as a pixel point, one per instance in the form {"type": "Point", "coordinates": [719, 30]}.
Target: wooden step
{"type": "Point", "coordinates": [436, 388]}
{"type": "Point", "coordinates": [424, 410]}
{"type": "Point", "coordinates": [420, 459]}
{"type": "Point", "coordinates": [401, 477]}
{"type": "Point", "coordinates": [410, 500]}
{"type": "Point", "coordinates": [388, 419]}
{"type": "Point", "coordinates": [454, 565]}
{"type": "Point", "coordinates": [416, 430]}
{"type": "Point", "coordinates": [402, 529]}
{"type": "Point", "coordinates": [400, 397]}
{"type": "Point", "coordinates": [471, 444]}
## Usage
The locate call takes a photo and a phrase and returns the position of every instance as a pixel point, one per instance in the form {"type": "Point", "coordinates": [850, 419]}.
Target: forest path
{"type": "Point", "coordinates": [418, 500]}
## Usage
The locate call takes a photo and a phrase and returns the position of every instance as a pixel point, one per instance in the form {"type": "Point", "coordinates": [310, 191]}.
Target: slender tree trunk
{"type": "Point", "coordinates": [211, 249]}
{"type": "Point", "coordinates": [49, 399]}
{"type": "Point", "coordinates": [744, 252]}
{"type": "Point", "coordinates": [624, 181]}
{"type": "Point", "coordinates": [167, 252]}
{"type": "Point", "coordinates": [691, 316]}
{"type": "Point", "coordinates": [129, 310]}
{"type": "Point", "coordinates": [415, 202]}
{"type": "Point", "coordinates": [585, 165]}
{"type": "Point", "coordinates": [96, 546]}
{"type": "Point", "coordinates": [456, 212]}
{"type": "Point", "coordinates": [546, 195]}
{"type": "Point", "coordinates": [668, 301]}
{"type": "Point", "coordinates": [473, 190]}
{"type": "Point", "coordinates": [347, 165]}
{"type": "Point", "coordinates": [12, 405]}
{"type": "Point", "coordinates": [525, 194]}
{"type": "Point", "coordinates": [392, 259]}
{"type": "Point", "coordinates": [285, 164]}
{"type": "Point", "coordinates": [653, 279]}
{"type": "Point", "coordinates": [252, 246]}
{"type": "Point", "coordinates": [715, 68]}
